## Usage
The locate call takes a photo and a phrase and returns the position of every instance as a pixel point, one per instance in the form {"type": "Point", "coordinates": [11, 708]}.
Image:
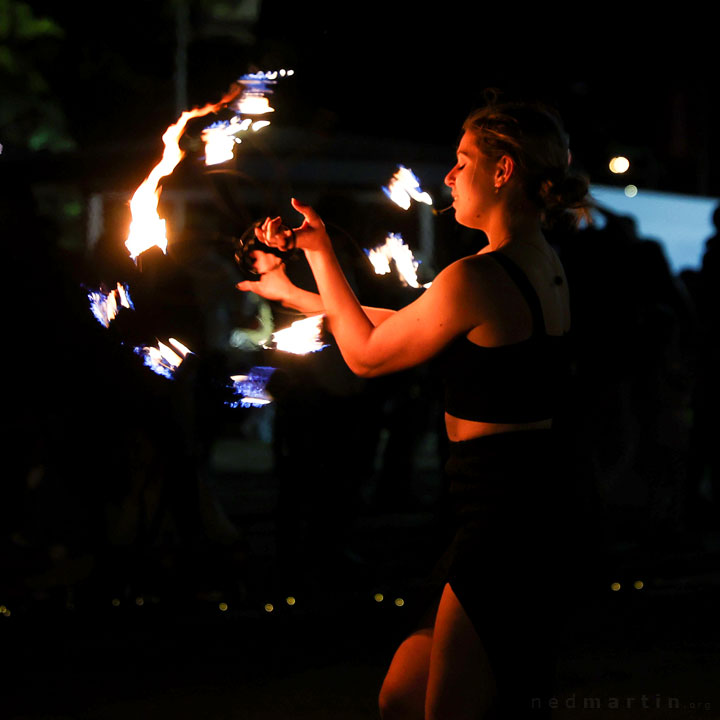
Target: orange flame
{"type": "Point", "coordinates": [405, 187]}
{"type": "Point", "coordinates": [302, 337]}
{"type": "Point", "coordinates": [394, 249]}
{"type": "Point", "coordinates": [147, 228]}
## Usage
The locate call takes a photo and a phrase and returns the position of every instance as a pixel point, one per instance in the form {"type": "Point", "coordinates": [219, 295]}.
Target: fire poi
{"type": "Point", "coordinates": [248, 100]}
{"type": "Point", "coordinates": [247, 97]}
{"type": "Point", "coordinates": [147, 228]}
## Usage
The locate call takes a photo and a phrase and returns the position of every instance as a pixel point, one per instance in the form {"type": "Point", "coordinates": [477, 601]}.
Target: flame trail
{"type": "Point", "coordinates": [252, 388]}
{"type": "Point", "coordinates": [404, 187]}
{"type": "Point", "coordinates": [394, 249]}
{"type": "Point", "coordinates": [256, 87]}
{"type": "Point", "coordinates": [146, 227]}
{"type": "Point", "coordinates": [162, 359]}
{"type": "Point", "coordinates": [106, 306]}
{"type": "Point", "coordinates": [220, 138]}
{"type": "Point", "coordinates": [302, 337]}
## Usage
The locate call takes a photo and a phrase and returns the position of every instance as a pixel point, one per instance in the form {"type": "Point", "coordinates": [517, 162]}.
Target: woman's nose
{"type": "Point", "coordinates": [450, 178]}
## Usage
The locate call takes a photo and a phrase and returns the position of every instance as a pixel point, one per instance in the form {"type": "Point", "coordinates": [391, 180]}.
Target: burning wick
{"type": "Point", "coordinates": [146, 227]}
{"type": "Point", "coordinates": [252, 388]}
{"type": "Point", "coordinates": [396, 250]}
{"type": "Point", "coordinates": [404, 187]}
{"type": "Point", "coordinates": [302, 337]}
{"type": "Point", "coordinates": [163, 360]}
{"type": "Point", "coordinates": [106, 306]}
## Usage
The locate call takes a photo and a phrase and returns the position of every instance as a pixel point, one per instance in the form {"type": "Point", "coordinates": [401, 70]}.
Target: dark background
{"type": "Point", "coordinates": [623, 82]}
{"type": "Point", "coordinates": [133, 506]}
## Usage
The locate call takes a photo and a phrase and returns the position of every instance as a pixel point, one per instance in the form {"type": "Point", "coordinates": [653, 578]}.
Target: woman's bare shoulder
{"type": "Point", "coordinates": [478, 271]}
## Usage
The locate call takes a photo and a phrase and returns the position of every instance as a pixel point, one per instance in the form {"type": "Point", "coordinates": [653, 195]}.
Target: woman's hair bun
{"type": "Point", "coordinates": [565, 194]}
{"type": "Point", "coordinates": [533, 134]}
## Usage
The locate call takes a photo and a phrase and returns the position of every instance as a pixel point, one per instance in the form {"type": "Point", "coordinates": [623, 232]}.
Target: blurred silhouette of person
{"type": "Point", "coordinates": [664, 363]}
{"type": "Point", "coordinates": [704, 288]}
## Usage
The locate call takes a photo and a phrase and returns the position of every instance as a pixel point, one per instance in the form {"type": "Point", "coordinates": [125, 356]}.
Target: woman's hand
{"type": "Point", "coordinates": [310, 235]}
{"type": "Point", "coordinates": [274, 284]}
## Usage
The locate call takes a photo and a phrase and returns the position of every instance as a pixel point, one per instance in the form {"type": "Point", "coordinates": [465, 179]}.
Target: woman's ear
{"type": "Point", "coordinates": [504, 170]}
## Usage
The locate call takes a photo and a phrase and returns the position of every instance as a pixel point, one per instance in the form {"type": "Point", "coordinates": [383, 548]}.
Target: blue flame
{"type": "Point", "coordinates": [251, 388]}
{"type": "Point", "coordinates": [105, 305]}
{"type": "Point", "coordinates": [260, 82]}
{"type": "Point", "coordinates": [157, 365]}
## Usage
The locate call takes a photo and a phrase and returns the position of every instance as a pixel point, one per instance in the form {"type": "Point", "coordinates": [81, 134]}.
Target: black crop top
{"type": "Point", "coordinates": [515, 383]}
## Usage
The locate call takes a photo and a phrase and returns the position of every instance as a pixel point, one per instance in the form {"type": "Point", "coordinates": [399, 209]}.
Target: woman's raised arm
{"type": "Point", "coordinates": [407, 337]}
{"type": "Point", "coordinates": [273, 284]}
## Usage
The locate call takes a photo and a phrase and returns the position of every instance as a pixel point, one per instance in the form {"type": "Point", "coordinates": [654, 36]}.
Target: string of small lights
{"type": "Point", "coordinates": [223, 606]}
{"type": "Point", "coordinates": [259, 608]}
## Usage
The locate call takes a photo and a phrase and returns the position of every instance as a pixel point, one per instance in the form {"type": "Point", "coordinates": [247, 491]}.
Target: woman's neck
{"type": "Point", "coordinates": [513, 228]}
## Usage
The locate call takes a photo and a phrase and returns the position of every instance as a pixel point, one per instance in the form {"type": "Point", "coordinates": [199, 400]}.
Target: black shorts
{"type": "Point", "coordinates": [512, 561]}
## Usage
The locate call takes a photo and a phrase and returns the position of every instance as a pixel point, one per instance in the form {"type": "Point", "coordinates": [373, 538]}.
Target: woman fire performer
{"type": "Point", "coordinates": [499, 321]}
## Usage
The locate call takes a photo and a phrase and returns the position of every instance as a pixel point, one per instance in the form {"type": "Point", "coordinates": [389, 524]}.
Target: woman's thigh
{"type": "Point", "coordinates": [403, 691]}
{"type": "Point", "coordinates": [460, 681]}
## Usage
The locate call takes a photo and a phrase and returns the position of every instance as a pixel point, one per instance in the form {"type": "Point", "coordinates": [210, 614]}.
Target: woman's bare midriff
{"type": "Point", "coordinates": [459, 429]}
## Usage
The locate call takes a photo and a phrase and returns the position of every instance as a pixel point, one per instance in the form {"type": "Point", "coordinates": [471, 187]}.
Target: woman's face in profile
{"type": "Point", "coordinates": [471, 182]}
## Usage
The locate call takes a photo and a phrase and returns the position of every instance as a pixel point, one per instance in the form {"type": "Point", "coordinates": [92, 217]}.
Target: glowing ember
{"type": "Point", "coordinates": [105, 306]}
{"type": "Point", "coordinates": [162, 359]}
{"type": "Point", "coordinates": [147, 229]}
{"type": "Point", "coordinates": [302, 337]}
{"type": "Point", "coordinates": [251, 388]}
{"type": "Point", "coordinates": [397, 251]}
{"type": "Point", "coordinates": [405, 187]}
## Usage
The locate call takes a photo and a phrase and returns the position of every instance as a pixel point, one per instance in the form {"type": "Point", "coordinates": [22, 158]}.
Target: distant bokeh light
{"type": "Point", "coordinates": [619, 165]}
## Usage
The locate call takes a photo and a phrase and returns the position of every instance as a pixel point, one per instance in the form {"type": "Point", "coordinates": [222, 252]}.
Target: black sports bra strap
{"type": "Point", "coordinates": [526, 289]}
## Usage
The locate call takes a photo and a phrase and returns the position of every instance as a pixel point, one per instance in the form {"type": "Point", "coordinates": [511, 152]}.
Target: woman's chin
{"type": "Point", "coordinates": [463, 219]}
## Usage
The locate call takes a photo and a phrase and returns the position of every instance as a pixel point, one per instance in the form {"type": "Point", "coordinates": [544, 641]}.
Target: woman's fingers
{"type": "Point", "coordinates": [310, 234]}
{"type": "Point", "coordinates": [273, 226]}
{"type": "Point", "coordinates": [306, 210]}
{"type": "Point", "coordinates": [274, 234]}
